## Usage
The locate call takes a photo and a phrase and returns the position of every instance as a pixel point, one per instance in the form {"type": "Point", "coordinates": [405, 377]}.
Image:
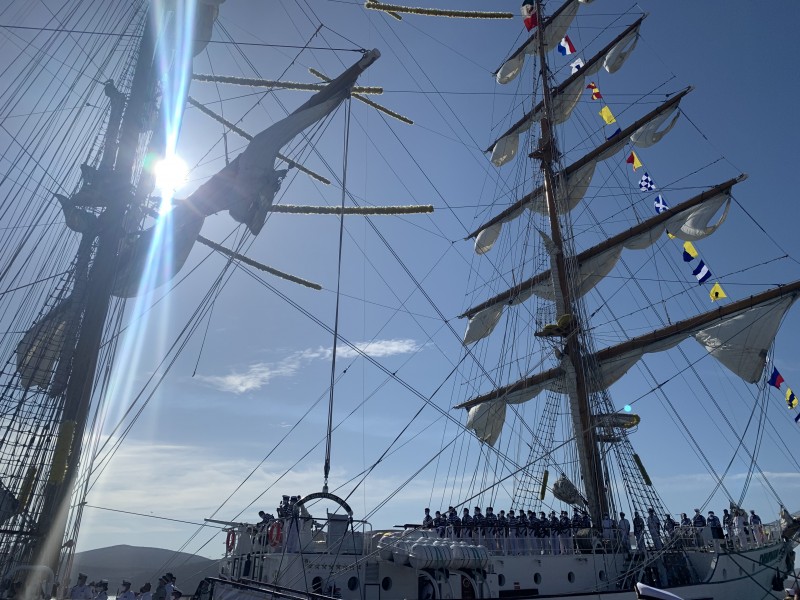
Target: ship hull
{"type": "Point", "coordinates": [427, 570]}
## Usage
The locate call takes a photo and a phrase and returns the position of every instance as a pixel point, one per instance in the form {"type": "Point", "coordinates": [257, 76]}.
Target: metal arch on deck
{"type": "Point", "coordinates": [327, 496]}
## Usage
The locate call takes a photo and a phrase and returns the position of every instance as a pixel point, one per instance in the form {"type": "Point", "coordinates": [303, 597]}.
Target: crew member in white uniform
{"type": "Point", "coordinates": [81, 591]}
{"type": "Point", "coordinates": [102, 590]}
{"type": "Point", "coordinates": [794, 591]}
{"type": "Point", "coordinates": [125, 593]}
{"type": "Point", "coordinates": [740, 521]}
{"type": "Point", "coordinates": [145, 593]}
{"type": "Point", "coordinates": [170, 579]}
{"type": "Point", "coordinates": [624, 527]}
{"type": "Point", "coordinates": [758, 528]}
{"type": "Point", "coordinates": [161, 589]}
{"type": "Point", "coordinates": [654, 526]}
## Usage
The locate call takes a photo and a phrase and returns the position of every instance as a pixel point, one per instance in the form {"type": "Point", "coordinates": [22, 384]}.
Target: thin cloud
{"type": "Point", "coordinates": [380, 348]}
{"type": "Point", "coordinates": [260, 374]}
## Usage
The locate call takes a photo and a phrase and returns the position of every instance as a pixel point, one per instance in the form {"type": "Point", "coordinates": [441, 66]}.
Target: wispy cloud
{"type": "Point", "coordinates": [260, 374]}
{"type": "Point", "coordinates": [380, 348]}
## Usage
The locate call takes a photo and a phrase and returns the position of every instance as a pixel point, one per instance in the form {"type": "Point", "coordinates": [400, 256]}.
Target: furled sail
{"type": "Point", "coordinates": [688, 221]}
{"type": "Point", "coordinates": [555, 27]}
{"type": "Point", "coordinates": [486, 420]}
{"type": "Point", "coordinates": [247, 186]}
{"type": "Point", "coordinates": [566, 95]}
{"type": "Point", "coordinates": [158, 253]}
{"type": "Point", "coordinates": [205, 16]}
{"type": "Point", "coordinates": [577, 176]}
{"type": "Point", "coordinates": [565, 490]}
{"type": "Point", "coordinates": [737, 335]}
{"type": "Point", "coordinates": [40, 348]}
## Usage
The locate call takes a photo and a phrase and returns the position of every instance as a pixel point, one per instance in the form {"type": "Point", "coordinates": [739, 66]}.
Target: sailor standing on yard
{"type": "Point", "coordinates": [126, 593]}
{"type": "Point", "coordinates": [81, 591]}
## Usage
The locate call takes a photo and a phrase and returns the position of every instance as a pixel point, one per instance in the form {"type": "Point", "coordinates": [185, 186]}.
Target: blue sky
{"type": "Point", "coordinates": [258, 366]}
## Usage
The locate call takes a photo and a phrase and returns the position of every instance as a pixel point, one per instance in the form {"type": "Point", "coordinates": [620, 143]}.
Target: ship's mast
{"type": "Point", "coordinates": [116, 187]}
{"type": "Point", "coordinates": [577, 390]}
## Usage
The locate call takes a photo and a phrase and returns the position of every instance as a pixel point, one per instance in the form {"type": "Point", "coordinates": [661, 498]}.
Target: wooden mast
{"type": "Point", "coordinates": [118, 189]}
{"type": "Point", "coordinates": [577, 390]}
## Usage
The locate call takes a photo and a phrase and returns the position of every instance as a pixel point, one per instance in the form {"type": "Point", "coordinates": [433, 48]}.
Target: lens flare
{"type": "Point", "coordinates": [170, 173]}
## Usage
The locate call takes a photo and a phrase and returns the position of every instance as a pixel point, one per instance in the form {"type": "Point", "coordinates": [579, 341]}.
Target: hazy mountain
{"type": "Point", "coordinates": [140, 565]}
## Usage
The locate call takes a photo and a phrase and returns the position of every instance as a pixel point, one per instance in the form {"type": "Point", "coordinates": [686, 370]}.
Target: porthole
{"type": "Point", "coordinates": [386, 584]}
{"type": "Point", "coordinates": [316, 585]}
{"type": "Point", "coordinates": [352, 583]}
{"type": "Point", "coordinates": [501, 580]}
{"type": "Point", "coordinates": [571, 577]}
{"type": "Point", "coordinates": [537, 578]}
{"type": "Point", "coordinates": [602, 575]}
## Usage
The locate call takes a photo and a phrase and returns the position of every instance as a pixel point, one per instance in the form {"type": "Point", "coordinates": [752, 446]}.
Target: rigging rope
{"type": "Point", "coordinates": [338, 297]}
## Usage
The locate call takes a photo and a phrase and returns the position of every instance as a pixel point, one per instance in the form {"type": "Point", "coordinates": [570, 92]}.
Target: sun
{"type": "Point", "coordinates": [170, 174]}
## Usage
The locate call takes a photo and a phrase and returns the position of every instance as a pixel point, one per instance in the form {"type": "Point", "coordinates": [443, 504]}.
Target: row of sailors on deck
{"type": "Point", "coordinates": [735, 529]}
{"type": "Point", "coordinates": [166, 590]}
{"type": "Point", "coordinates": [517, 533]}
{"type": "Point", "coordinates": [491, 524]}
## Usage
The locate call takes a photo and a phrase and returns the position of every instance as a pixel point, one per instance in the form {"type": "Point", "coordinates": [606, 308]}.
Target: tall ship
{"type": "Point", "coordinates": [585, 227]}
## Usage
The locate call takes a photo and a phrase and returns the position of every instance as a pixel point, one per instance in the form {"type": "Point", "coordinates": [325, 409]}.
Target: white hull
{"type": "Point", "coordinates": [392, 572]}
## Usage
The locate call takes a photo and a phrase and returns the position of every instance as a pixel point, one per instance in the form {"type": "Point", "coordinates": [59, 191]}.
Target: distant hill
{"type": "Point", "coordinates": [140, 565]}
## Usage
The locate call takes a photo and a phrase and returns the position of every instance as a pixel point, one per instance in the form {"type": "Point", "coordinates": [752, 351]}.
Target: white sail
{"type": "Point", "coordinates": [617, 56]}
{"type": "Point", "coordinates": [739, 340]}
{"type": "Point", "coordinates": [157, 255]}
{"type": "Point", "coordinates": [482, 324]}
{"type": "Point", "coordinates": [39, 349]}
{"type": "Point", "coordinates": [577, 177]}
{"type": "Point", "coordinates": [565, 97]}
{"type": "Point", "coordinates": [247, 186]}
{"type": "Point", "coordinates": [651, 133]}
{"type": "Point", "coordinates": [689, 224]}
{"type": "Point", "coordinates": [486, 420]}
{"type": "Point", "coordinates": [555, 27]}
